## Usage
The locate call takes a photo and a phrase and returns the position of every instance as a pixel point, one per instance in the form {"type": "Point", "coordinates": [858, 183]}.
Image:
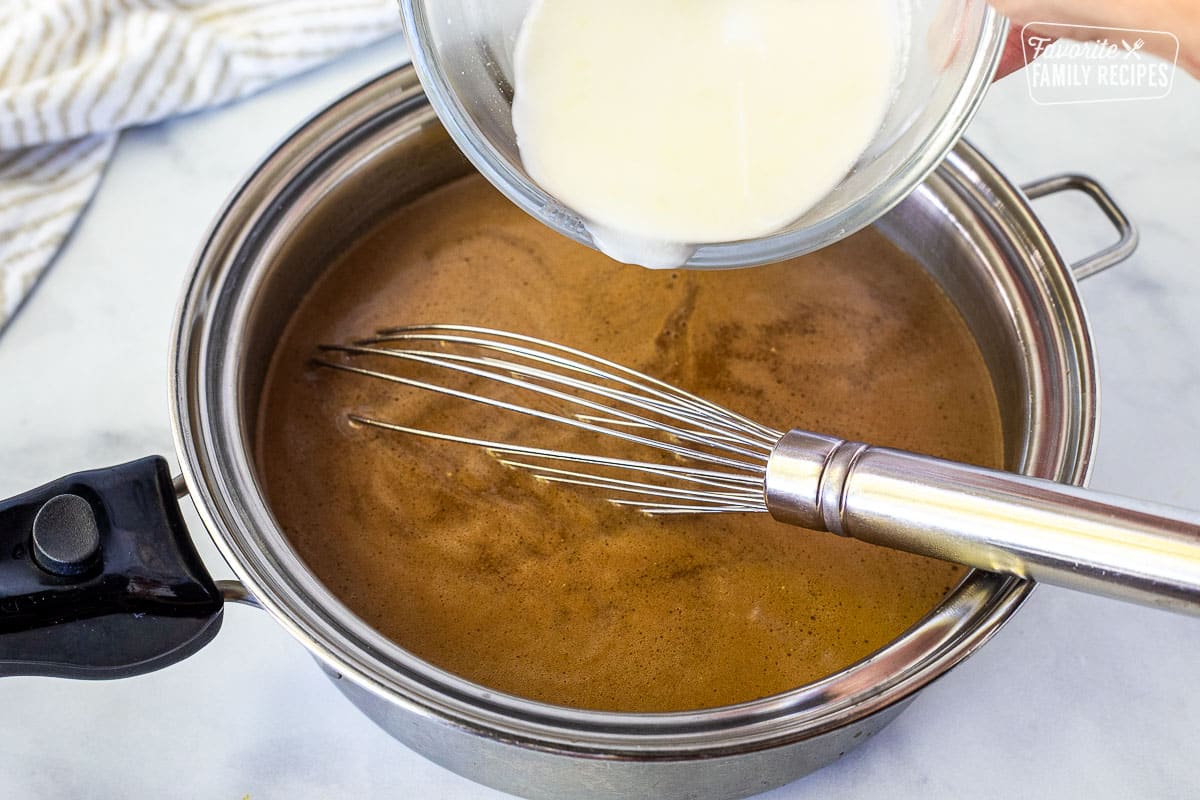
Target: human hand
{"type": "Point", "coordinates": [1180, 17]}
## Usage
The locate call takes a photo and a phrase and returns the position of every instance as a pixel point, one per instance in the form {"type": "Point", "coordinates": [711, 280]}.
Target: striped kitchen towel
{"type": "Point", "coordinates": [73, 73]}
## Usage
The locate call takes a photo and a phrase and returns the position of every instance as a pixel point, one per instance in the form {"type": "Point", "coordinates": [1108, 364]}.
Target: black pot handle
{"type": "Point", "coordinates": [99, 578]}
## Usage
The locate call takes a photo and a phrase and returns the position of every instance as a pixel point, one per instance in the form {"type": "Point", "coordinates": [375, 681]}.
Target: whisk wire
{"type": "Point", "coordinates": [746, 490]}
{"type": "Point", "coordinates": [680, 405]}
{"type": "Point", "coordinates": [723, 455]}
{"type": "Point", "coordinates": [748, 501]}
{"type": "Point", "coordinates": [578, 361]}
{"type": "Point", "coordinates": [508, 373]}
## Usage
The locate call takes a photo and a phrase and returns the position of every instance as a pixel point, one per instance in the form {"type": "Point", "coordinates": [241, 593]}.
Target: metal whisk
{"type": "Point", "coordinates": [693, 456]}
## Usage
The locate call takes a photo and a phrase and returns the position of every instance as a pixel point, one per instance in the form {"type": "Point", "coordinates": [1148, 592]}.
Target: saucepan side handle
{"type": "Point", "coordinates": [99, 578]}
{"type": "Point", "coordinates": [1110, 256]}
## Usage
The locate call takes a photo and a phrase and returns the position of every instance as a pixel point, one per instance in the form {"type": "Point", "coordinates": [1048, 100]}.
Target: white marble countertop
{"type": "Point", "coordinates": [1077, 697]}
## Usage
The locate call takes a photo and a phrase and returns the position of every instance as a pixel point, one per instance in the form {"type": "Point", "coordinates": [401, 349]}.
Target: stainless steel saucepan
{"type": "Point", "coordinates": [99, 578]}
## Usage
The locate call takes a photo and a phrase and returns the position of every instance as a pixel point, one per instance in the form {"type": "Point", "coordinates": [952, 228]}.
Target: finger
{"type": "Point", "coordinates": [1013, 57]}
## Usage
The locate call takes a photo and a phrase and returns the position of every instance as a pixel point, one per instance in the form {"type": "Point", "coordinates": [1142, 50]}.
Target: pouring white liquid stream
{"type": "Point", "coordinates": [671, 123]}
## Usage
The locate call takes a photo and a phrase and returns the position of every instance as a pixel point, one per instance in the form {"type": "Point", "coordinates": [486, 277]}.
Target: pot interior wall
{"type": "Point", "coordinates": [970, 278]}
{"type": "Point", "coordinates": [343, 196]}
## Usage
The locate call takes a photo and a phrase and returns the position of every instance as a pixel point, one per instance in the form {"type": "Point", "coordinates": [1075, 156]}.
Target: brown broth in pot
{"type": "Point", "coordinates": [548, 592]}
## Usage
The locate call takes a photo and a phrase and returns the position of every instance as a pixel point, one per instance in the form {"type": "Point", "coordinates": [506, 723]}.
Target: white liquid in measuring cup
{"type": "Point", "coordinates": [671, 123]}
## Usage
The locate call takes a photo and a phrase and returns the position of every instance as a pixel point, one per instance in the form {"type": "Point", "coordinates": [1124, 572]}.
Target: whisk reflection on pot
{"type": "Point", "coordinates": [693, 456]}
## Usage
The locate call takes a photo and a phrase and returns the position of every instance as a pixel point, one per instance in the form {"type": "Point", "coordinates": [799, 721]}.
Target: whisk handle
{"type": "Point", "coordinates": [1031, 528]}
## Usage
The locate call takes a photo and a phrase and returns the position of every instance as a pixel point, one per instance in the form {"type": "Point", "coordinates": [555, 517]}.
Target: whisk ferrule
{"type": "Point", "coordinates": [806, 479]}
